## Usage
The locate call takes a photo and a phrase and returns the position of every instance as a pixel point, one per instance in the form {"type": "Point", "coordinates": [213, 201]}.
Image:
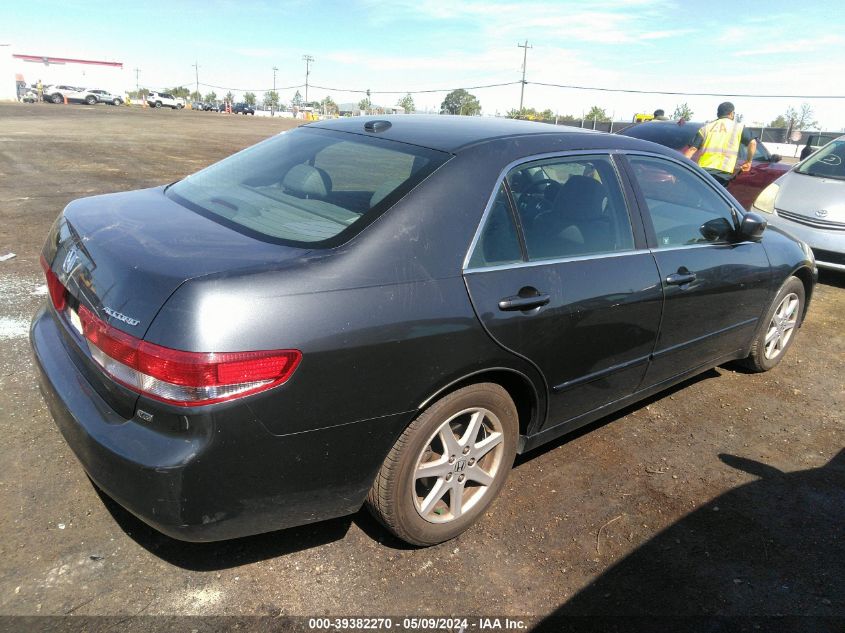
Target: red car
{"type": "Point", "coordinates": [765, 167]}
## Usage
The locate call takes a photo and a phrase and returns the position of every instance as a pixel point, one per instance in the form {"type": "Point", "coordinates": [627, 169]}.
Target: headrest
{"type": "Point", "coordinates": [580, 198]}
{"type": "Point", "coordinates": [384, 190]}
{"type": "Point", "coordinates": [306, 181]}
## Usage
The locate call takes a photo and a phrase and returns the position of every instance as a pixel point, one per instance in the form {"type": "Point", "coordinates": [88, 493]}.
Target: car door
{"type": "Point", "coordinates": [559, 275]}
{"type": "Point", "coordinates": [715, 285]}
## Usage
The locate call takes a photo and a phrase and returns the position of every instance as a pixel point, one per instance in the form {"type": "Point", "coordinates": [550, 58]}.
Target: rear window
{"type": "Point", "coordinates": [307, 187]}
{"type": "Point", "coordinates": [673, 135]}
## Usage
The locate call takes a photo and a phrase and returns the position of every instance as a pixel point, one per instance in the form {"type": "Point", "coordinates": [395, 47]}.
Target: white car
{"type": "Point", "coordinates": [164, 100]}
{"type": "Point", "coordinates": [58, 93]}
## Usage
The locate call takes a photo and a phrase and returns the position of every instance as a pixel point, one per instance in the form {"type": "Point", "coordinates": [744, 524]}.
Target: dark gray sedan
{"type": "Point", "coordinates": [386, 311]}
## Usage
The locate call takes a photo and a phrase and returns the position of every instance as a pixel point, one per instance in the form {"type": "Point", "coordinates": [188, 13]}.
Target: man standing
{"type": "Point", "coordinates": [719, 143]}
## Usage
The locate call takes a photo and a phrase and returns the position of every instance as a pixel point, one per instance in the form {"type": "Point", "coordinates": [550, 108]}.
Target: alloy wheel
{"type": "Point", "coordinates": [458, 464]}
{"type": "Point", "coordinates": [782, 326]}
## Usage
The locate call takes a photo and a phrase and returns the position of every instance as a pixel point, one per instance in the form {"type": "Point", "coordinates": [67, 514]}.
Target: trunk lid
{"type": "Point", "coordinates": [123, 255]}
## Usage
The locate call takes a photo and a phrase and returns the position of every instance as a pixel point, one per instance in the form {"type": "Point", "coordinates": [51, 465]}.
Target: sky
{"type": "Point", "coordinates": [776, 47]}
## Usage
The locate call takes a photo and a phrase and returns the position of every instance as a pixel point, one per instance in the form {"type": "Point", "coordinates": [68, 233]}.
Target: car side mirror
{"type": "Point", "coordinates": [752, 226]}
{"type": "Point", "coordinates": [776, 158]}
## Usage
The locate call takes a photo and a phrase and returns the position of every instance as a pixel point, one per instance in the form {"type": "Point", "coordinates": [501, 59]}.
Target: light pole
{"type": "Point", "coordinates": [272, 103]}
{"type": "Point", "coordinates": [524, 62]}
{"type": "Point", "coordinates": [197, 75]}
{"type": "Point", "coordinates": [308, 61]}
{"type": "Point", "coordinates": [137, 71]}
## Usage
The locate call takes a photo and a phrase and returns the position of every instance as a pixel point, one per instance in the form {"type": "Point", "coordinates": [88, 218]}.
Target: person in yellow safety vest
{"type": "Point", "coordinates": [719, 142]}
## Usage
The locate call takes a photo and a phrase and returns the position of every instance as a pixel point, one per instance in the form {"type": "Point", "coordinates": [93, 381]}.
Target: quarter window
{"type": "Point", "coordinates": [684, 209]}
{"type": "Point", "coordinates": [498, 242]}
{"type": "Point", "coordinates": [570, 207]}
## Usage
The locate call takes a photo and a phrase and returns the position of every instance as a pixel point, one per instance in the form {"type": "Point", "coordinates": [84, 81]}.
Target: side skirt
{"type": "Point", "coordinates": [530, 442]}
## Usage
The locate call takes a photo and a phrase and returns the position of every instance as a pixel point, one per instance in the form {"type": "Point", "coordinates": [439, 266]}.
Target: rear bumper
{"type": "Point", "coordinates": [222, 477]}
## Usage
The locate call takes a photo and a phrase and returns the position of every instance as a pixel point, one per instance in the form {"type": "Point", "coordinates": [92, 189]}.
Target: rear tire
{"type": "Point", "coordinates": [158, 104]}
{"type": "Point", "coordinates": [448, 466]}
{"type": "Point", "coordinates": [116, 102]}
{"type": "Point", "coordinates": [57, 98]}
{"type": "Point", "coordinates": [778, 329]}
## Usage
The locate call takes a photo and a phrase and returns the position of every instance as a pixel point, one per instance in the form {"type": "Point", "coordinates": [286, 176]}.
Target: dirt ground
{"type": "Point", "coordinates": [724, 496]}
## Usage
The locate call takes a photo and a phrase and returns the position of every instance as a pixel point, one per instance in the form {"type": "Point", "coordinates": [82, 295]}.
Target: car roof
{"type": "Point", "coordinates": [448, 133]}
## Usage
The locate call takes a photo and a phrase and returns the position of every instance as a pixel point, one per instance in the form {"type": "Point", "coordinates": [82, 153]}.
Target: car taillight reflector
{"type": "Point", "coordinates": [58, 293]}
{"type": "Point", "coordinates": [183, 378]}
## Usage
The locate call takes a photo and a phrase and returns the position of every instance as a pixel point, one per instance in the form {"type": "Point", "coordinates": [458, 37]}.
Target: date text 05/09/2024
{"type": "Point", "coordinates": [457, 625]}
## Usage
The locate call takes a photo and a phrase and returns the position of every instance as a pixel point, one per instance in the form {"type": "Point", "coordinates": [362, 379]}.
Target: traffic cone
{"type": "Point", "coordinates": [65, 97]}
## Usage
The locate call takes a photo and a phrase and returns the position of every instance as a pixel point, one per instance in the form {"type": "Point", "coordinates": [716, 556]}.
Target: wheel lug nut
{"type": "Point", "coordinates": [471, 461]}
{"type": "Point", "coordinates": [460, 477]}
{"type": "Point", "coordinates": [452, 459]}
{"type": "Point", "coordinates": [466, 450]}
{"type": "Point", "coordinates": [448, 476]}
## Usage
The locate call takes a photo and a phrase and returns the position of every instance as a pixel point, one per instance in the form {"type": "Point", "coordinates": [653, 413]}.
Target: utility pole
{"type": "Point", "coordinates": [272, 104]}
{"type": "Point", "coordinates": [137, 71]}
{"type": "Point", "coordinates": [197, 75]}
{"type": "Point", "coordinates": [524, 62]}
{"type": "Point", "coordinates": [308, 61]}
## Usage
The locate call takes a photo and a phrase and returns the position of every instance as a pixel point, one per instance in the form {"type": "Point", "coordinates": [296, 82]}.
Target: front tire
{"type": "Point", "coordinates": [89, 100]}
{"type": "Point", "coordinates": [782, 320]}
{"type": "Point", "coordinates": [57, 98]}
{"type": "Point", "coordinates": [116, 102]}
{"type": "Point", "coordinates": [448, 466]}
{"type": "Point", "coordinates": [158, 104]}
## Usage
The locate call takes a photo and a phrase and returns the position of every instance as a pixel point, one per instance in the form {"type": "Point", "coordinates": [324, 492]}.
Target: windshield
{"type": "Point", "coordinates": [307, 187]}
{"type": "Point", "coordinates": [827, 162]}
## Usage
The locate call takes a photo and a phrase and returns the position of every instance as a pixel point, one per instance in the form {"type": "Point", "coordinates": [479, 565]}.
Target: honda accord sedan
{"type": "Point", "coordinates": [383, 312]}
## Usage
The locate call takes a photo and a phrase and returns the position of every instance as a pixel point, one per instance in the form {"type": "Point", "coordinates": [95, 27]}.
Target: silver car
{"type": "Point", "coordinates": [809, 202]}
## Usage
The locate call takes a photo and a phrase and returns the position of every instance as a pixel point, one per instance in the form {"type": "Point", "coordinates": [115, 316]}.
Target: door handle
{"type": "Point", "coordinates": [680, 278]}
{"type": "Point", "coordinates": [524, 303]}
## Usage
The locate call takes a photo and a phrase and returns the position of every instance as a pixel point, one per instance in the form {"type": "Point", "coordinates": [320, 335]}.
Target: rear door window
{"type": "Point", "coordinates": [307, 187]}
{"type": "Point", "coordinates": [571, 207]}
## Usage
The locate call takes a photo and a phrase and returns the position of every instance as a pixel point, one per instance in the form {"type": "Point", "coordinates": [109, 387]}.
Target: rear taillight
{"type": "Point", "coordinates": [185, 379]}
{"type": "Point", "coordinates": [58, 293]}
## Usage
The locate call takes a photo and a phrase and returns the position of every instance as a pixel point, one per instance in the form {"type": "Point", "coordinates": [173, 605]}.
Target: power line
{"type": "Point", "coordinates": [415, 92]}
{"type": "Point", "coordinates": [251, 89]}
{"type": "Point", "coordinates": [535, 83]}
{"type": "Point", "coordinates": [686, 94]}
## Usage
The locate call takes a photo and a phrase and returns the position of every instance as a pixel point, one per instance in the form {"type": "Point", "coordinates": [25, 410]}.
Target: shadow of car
{"type": "Point", "coordinates": [767, 555]}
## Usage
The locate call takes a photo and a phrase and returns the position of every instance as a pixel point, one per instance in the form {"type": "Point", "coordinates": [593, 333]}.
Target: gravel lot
{"type": "Point", "coordinates": [724, 496]}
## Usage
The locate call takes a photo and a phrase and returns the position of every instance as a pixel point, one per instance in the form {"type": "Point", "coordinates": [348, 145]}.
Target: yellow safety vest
{"type": "Point", "coordinates": [720, 148]}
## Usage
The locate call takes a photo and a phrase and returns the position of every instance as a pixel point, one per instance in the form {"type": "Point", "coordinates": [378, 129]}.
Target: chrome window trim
{"type": "Point", "coordinates": [560, 260]}
{"type": "Point", "coordinates": [531, 159]}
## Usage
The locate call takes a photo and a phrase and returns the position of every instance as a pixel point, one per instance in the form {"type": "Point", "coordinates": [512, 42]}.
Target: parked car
{"type": "Point", "coordinates": [104, 96]}
{"type": "Point", "coordinates": [58, 93]}
{"type": "Point", "coordinates": [815, 142]}
{"type": "Point", "coordinates": [387, 310]}
{"type": "Point", "coordinates": [163, 100]}
{"type": "Point", "coordinates": [243, 108]}
{"type": "Point", "coordinates": [765, 167]}
{"type": "Point", "coordinates": [809, 202]}
{"type": "Point", "coordinates": [199, 105]}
